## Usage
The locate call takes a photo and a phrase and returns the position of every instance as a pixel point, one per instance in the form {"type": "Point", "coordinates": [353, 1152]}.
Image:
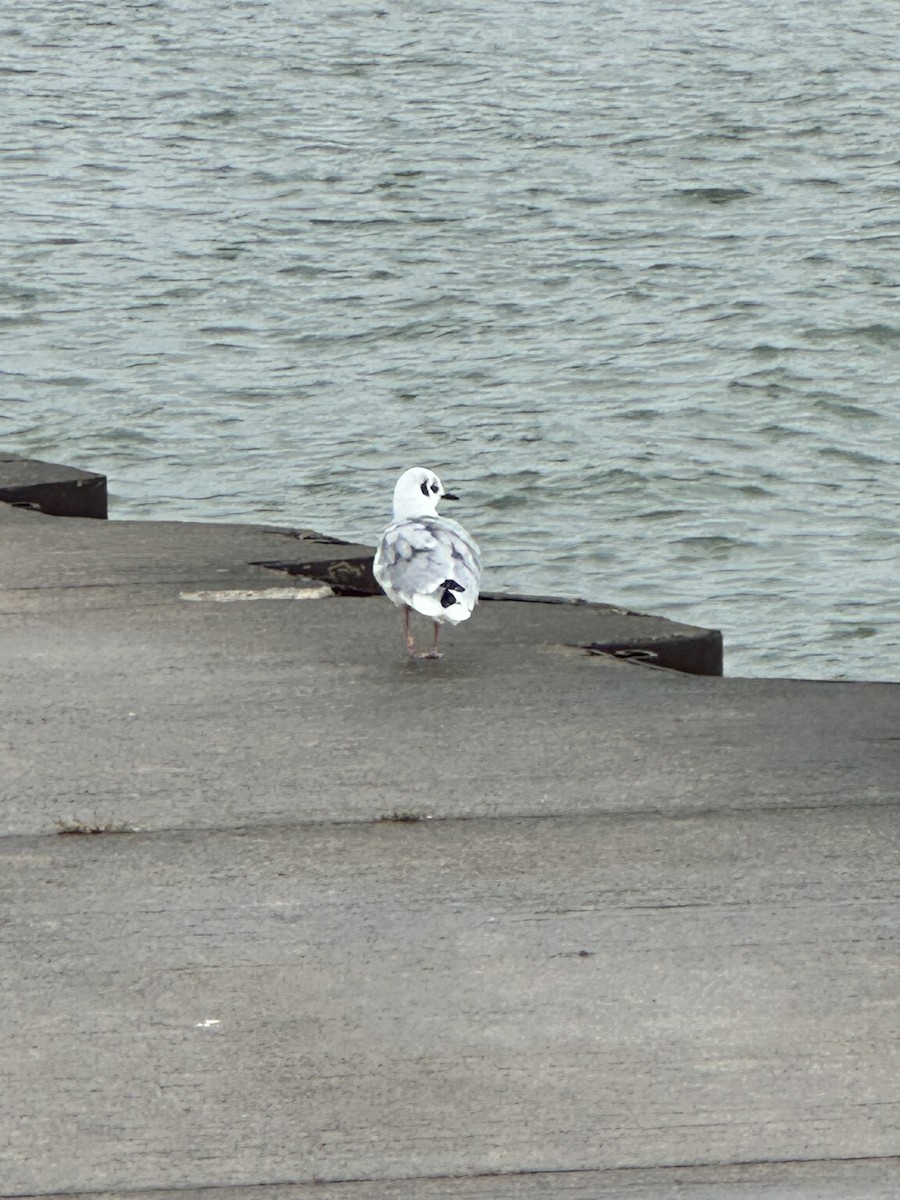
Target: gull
{"type": "Point", "coordinates": [426, 562]}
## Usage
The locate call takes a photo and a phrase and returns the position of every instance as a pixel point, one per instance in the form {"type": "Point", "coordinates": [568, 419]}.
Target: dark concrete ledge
{"type": "Point", "coordinates": [55, 490]}
{"type": "Point", "coordinates": [193, 549]}
{"type": "Point", "coordinates": [604, 628]}
{"type": "Point", "coordinates": [344, 566]}
{"type": "Point", "coordinates": [639, 637]}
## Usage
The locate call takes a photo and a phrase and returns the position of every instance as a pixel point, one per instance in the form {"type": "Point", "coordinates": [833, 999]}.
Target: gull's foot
{"type": "Point", "coordinates": [430, 654]}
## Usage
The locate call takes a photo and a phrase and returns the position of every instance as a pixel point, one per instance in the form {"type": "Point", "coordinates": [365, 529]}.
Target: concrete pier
{"type": "Point", "coordinates": [286, 915]}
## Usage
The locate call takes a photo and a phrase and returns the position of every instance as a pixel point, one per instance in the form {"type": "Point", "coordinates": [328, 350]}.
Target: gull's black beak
{"type": "Point", "coordinates": [449, 496]}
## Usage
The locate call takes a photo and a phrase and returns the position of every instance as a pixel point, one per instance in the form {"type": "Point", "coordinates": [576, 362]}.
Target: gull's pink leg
{"type": "Point", "coordinates": [410, 640]}
{"type": "Point", "coordinates": [433, 652]}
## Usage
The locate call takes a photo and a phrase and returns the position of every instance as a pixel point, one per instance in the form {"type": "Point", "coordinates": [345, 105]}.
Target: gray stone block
{"type": "Point", "coordinates": [56, 490]}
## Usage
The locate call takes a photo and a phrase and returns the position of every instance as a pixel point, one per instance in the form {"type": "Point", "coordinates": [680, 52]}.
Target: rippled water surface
{"type": "Point", "coordinates": [626, 274]}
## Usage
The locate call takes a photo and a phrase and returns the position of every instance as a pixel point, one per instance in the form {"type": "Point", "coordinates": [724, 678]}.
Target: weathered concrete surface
{"type": "Point", "coordinates": [602, 628]}
{"type": "Point", "coordinates": [37, 553]}
{"type": "Point", "coordinates": [871, 1179]}
{"type": "Point", "coordinates": [54, 489]}
{"type": "Point", "coordinates": [652, 952]}
{"type": "Point", "coordinates": [166, 713]}
{"type": "Point", "coordinates": [450, 998]}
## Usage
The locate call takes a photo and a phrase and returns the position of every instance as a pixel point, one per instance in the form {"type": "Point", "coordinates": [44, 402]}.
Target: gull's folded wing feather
{"type": "Point", "coordinates": [418, 555]}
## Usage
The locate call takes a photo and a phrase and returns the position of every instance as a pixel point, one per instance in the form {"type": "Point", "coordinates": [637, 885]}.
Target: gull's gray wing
{"type": "Point", "coordinates": [417, 557]}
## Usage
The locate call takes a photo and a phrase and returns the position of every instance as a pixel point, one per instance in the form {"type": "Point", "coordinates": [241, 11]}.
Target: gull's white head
{"type": "Point", "coordinates": [417, 494]}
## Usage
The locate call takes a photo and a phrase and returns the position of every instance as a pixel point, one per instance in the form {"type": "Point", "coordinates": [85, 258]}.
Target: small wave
{"type": "Point", "coordinates": [753, 489]}
{"type": "Point", "coordinates": [713, 195]}
{"type": "Point", "coordinates": [843, 408]}
{"type": "Point", "coordinates": [23, 319]}
{"type": "Point", "coordinates": [858, 457]}
{"type": "Point", "coordinates": [218, 116]}
{"type": "Point", "coordinates": [504, 500]}
{"type": "Point", "coordinates": [884, 335]}
{"type": "Point", "coordinates": [818, 181]}
{"type": "Point", "coordinates": [660, 514]}
{"type": "Point", "coordinates": [67, 381]}
{"type": "Point", "coordinates": [636, 414]}
{"type": "Point", "coordinates": [306, 270]}
{"type": "Point", "coordinates": [709, 546]}
{"type": "Point", "coordinates": [224, 330]}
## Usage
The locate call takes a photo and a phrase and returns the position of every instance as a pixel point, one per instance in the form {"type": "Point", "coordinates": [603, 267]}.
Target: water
{"type": "Point", "coordinates": [626, 274]}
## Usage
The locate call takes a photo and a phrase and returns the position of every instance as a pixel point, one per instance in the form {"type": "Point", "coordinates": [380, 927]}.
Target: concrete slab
{"type": "Point", "coordinates": [39, 552]}
{"type": "Point", "coordinates": [523, 920]}
{"type": "Point", "coordinates": [175, 714]}
{"type": "Point", "coordinates": [448, 999]}
{"type": "Point", "coordinates": [54, 489]}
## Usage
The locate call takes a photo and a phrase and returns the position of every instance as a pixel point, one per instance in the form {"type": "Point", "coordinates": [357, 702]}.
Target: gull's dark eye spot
{"type": "Point", "coordinates": [434, 487]}
{"type": "Point", "coordinates": [424, 488]}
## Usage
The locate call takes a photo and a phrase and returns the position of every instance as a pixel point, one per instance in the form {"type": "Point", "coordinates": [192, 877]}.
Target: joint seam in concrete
{"type": "Point", "coordinates": [631, 814]}
{"type": "Point", "coordinates": [321, 1180]}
